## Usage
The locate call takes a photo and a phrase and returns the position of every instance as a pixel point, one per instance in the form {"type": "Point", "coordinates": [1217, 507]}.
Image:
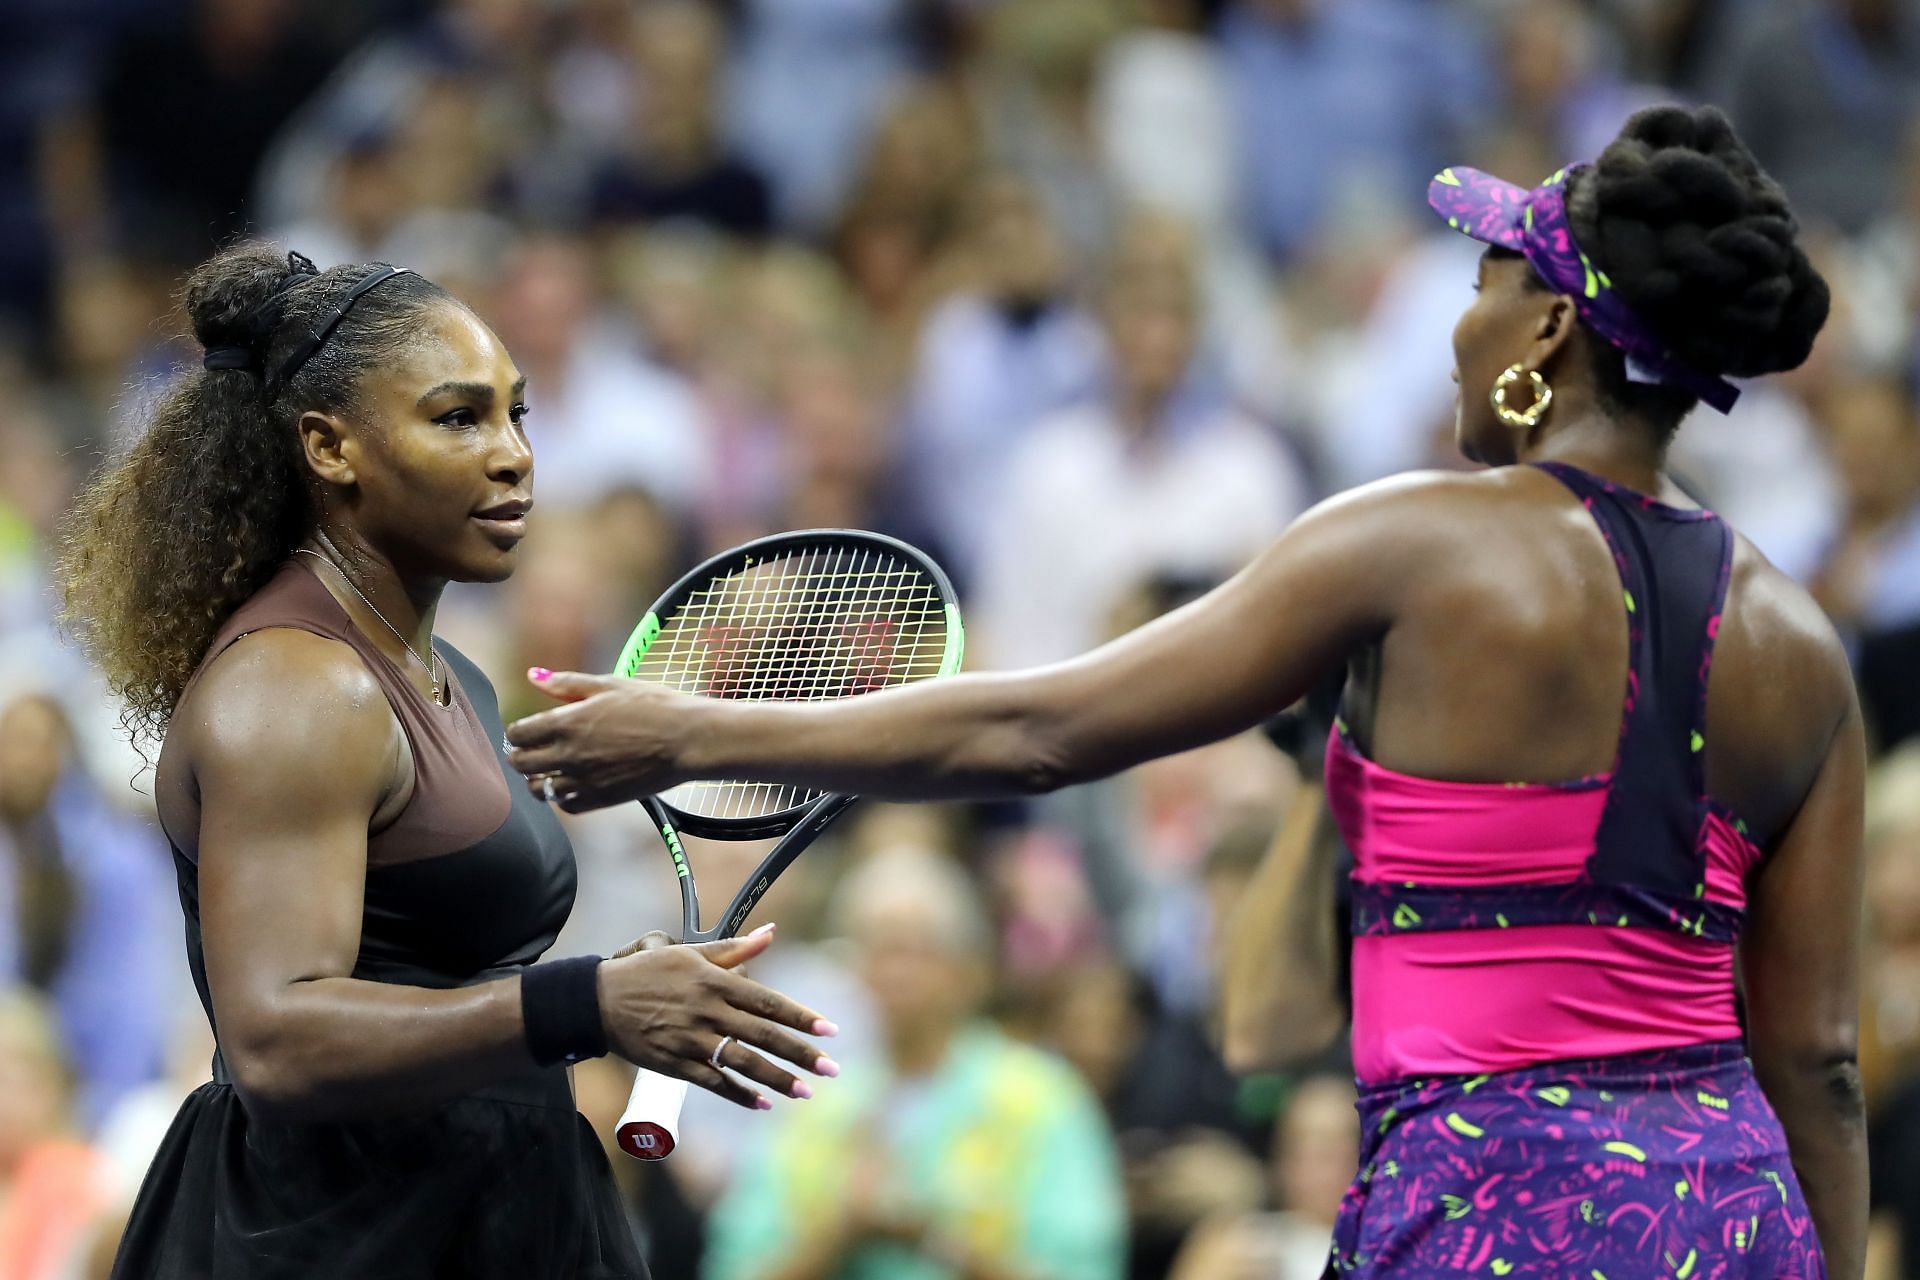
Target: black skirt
{"type": "Point", "coordinates": [503, 1183]}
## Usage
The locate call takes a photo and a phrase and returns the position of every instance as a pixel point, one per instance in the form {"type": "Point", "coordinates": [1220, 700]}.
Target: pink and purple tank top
{"type": "Point", "coordinates": [1499, 925]}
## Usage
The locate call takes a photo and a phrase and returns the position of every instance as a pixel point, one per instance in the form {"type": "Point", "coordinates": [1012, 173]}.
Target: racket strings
{"type": "Point", "coordinates": [811, 625]}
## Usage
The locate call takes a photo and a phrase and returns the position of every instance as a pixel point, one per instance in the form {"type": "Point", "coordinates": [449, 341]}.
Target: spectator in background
{"type": "Point", "coordinates": [1185, 1150]}
{"type": "Point", "coordinates": [54, 1191]}
{"type": "Point", "coordinates": [801, 125]}
{"type": "Point", "coordinates": [227, 79]}
{"type": "Point", "coordinates": [901, 213]}
{"type": "Point", "coordinates": [1036, 84]}
{"type": "Point", "coordinates": [470, 72]}
{"type": "Point", "coordinates": [1562, 79]}
{"type": "Point", "coordinates": [1160, 476]}
{"type": "Point", "coordinates": [961, 1155]}
{"type": "Point", "coordinates": [605, 418]}
{"type": "Point", "coordinates": [677, 164]}
{"type": "Point", "coordinates": [993, 360]}
{"type": "Point", "coordinates": [1369, 97]}
{"type": "Point", "coordinates": [89, 907]}
{"type": "Point", "coordinates": [1869, 583]}
{"type": "Point", "coordinates": [1820, 89]}
{"type": "Point", "coordinates": [1314, 1152]}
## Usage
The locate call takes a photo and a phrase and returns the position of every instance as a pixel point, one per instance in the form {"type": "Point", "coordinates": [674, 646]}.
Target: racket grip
{"type": "Point", "coordinates": [650, 1126]}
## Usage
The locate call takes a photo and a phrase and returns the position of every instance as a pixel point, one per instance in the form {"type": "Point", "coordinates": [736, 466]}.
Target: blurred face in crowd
{"type": "Point", "coordinates": [1316, 1148]}
{"type": "Point", "coordinates": [1016, 245]}
{"type": "Point", "coordinates": [34, 1088]}
{"type": "Point", "coordinates": [677, 53]}
{"type": "Point", "coordinates": [1873, 437]}
{"type": "Point", "coordinates": [1150, 330]}
{"type": "Point", "coordinates": [545, 301]}
{"type": "Point", "coordinates": [434, 459]}
{"type": "Point", "coordinates": [34, 742]}
{"type": "Point", "coordinates": [923, 952]}
{"type": "Point", "coordinates": [1094, 1025]}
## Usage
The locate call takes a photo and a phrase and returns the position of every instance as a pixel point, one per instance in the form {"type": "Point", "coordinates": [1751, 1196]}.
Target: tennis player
{"type": "Point", "coordinates": [1591, 741]}
{"type": "Point", "coordinates": [366, 893]}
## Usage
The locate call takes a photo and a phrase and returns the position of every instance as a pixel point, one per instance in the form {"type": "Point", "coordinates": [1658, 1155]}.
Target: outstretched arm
{"type": "Point", "coordinates": [1220, 665]}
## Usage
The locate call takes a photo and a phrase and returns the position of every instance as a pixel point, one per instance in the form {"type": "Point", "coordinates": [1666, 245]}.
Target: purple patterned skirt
{"type": "Point", "coordinates": [1668, 1164]}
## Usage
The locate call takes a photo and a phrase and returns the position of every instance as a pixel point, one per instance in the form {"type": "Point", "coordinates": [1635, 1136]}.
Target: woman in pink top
{"type": "Point", "coordinates": [1591, 741]}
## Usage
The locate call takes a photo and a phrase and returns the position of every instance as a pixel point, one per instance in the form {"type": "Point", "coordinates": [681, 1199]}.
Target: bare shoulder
{"type": "Point", "coordinates": [283, 703]}
{"type": "Point", "coordinates": [1772, 621]}
{"type": "Point", "coordinates": [1780, 692]}
{"type": "Point", "coordinates": [1418, 512]}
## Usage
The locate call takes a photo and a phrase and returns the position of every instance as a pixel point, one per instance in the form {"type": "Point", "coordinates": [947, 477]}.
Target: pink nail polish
{"type": "Point", "coordinates": [540, 675]}
{"type": "Point", "coordinates": [768, 927]}
{"type": "Point", "coordinates": [822, 1027]}
{"type": "Point", "coordinates": [801, 1089]}
{"type": "Point", "coordinates": [762, 1103]}
{"type": "Point", "coordinates": [826, 1067]}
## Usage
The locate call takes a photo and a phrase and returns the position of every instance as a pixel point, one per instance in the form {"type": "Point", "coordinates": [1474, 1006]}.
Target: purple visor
{"type": "Point", "coordinates": [1534, 224]}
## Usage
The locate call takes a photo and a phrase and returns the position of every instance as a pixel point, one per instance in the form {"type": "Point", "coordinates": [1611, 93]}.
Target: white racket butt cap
{"type": "Point", "coordinates": [650, 1126]}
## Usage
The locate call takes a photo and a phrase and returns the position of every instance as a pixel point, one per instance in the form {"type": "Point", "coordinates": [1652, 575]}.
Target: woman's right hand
{"type": "Point", "coordinates": [665, 1007]}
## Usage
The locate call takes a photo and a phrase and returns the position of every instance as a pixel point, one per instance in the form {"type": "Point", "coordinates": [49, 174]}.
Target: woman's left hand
{"type": "Point", "coordinates": [615, 740]}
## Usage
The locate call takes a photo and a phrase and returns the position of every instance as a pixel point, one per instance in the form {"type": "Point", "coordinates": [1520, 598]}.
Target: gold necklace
{"type": "Point", "coordinates": [433, 676]}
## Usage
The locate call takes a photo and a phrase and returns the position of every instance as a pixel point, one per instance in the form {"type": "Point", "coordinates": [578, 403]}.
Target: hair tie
{"type": "Point", "coordinates": [230, 358]}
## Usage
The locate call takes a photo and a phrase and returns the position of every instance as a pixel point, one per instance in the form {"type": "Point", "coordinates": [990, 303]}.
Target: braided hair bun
{"type": "Point", "coordinates": [1700, 242]}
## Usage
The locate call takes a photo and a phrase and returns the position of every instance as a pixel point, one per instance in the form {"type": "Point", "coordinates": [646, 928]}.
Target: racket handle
{"type": "Point", "coordinates": [650, 1126]}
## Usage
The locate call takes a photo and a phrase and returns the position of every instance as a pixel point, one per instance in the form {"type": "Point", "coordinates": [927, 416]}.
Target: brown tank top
{"type": "Point", "coordinates": [475, 876]}
{"type": "Point", "coordinates": [459, 795]}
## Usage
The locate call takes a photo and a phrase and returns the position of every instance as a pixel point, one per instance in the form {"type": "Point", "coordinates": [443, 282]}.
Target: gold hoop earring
{"type": "Point", "coordinates": [1530, 416]}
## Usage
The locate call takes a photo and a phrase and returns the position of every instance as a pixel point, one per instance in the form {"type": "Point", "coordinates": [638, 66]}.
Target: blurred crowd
{"type": "Point", "coordinates": [1089, 298]}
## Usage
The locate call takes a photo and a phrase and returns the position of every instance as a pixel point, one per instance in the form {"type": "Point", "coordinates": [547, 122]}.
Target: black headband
{"type": "Point", "coordinates": [318, 335]}
{"type": "Point", "coordinates": [299, 267]}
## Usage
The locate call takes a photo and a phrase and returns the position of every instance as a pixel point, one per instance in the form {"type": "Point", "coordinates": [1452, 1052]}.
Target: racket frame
{"type": "Point", "coordinates": [640, 642]}
{"type": "Point", "coordinates": [649, 1130]}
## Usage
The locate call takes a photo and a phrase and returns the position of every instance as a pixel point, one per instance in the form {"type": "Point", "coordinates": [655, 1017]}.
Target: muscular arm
{"type": "Point", "coordinates": [1801, 962]}
{"type": "Point", "coordinates": [294, 750]}
{"type": "Point", "coordinates": [1220, 665]}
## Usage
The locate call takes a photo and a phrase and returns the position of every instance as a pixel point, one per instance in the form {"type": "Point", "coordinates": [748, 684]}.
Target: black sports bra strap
{"type": "Point", "coordinates": [1674, 564]}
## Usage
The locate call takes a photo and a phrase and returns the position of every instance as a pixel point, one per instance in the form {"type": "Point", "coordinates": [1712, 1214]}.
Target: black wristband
{"type": "Point", "coordinates": [560, 1002]}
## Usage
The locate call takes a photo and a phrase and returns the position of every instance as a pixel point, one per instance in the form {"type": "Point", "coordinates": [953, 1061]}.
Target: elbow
{"type": "Point", "coordinates": [1040, 754]}
{"type": "Point", "coordinates": [271, 1083]}
{"type": "Point", "coordinates": [1822, 1075]}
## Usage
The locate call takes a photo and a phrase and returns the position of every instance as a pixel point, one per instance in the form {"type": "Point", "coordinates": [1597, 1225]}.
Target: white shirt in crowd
{"type": "Point", "coordinates": [1090, 512]}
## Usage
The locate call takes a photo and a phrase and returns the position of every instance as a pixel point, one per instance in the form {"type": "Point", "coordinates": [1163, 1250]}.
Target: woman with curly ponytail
{"type": "Point", "coordinates": [1595, 753]}
{"type": "Point", "coordinates": [365, 893]}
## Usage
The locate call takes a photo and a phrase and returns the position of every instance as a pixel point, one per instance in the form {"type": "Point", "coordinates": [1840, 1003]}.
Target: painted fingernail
{"type": "Point", "coordinates": [801, 1089]}
{"type": "Point", "coordinates": [824, 1066]}
{"type": "Point", "coordinates": [768, 927]}
{"type": "Point", "coordinates": [761, 1102]}
{"type": "Point", "coordinates": [821, 1027]}
{"type": "Point", "coordinates": [539, 675]}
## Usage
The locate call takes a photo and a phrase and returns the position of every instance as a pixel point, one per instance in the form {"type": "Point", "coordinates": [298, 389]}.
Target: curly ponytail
{"type": "Point", "coordinates": [163, 545]}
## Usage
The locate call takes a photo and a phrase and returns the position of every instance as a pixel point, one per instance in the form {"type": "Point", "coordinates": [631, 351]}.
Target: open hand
{"type": "Point", "coordinates": [668, 1007]}
{"type": "Point", "coordinates": [615, 740]}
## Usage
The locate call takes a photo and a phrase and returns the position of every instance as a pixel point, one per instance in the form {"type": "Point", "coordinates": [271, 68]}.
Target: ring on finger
{"type": "Point", "coordinates": [713, 1059]}
{"type": "Point", "coordinates": [546, 789]}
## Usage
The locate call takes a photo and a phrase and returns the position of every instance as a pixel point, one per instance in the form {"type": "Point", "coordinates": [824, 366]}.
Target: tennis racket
{"type": "Point", "coordinates": [796, 617]}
